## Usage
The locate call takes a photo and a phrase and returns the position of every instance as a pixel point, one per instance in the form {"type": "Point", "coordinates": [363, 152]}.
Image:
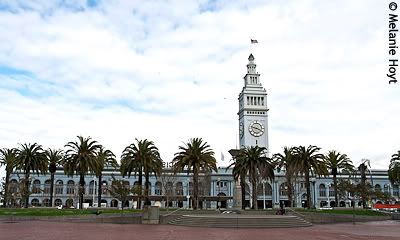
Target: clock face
{"type": "Point", "coordinates": [241, 130]}
{"type": "Point", "coordinates": [256, 129]}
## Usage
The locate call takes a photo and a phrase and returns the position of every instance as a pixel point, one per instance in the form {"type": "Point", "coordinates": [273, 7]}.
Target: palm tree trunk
{"type": "Point", "coordinates": [307, 177]}
{"type": "Point", "coordinates": [99, 191]}
{"type": "Point", "coordinates": [196, 188]}
{"type": "Point", "coordinates": [254, 190]}
{"type": "Point", "coordinates": [81, 189]}
{"type": "Point", "coordinates": [6, 190]}
{"type": "Point", "coordinates": [290, 191]}
{"type": "Point", "coordinates": [243, 190]}
{"type": "Point", "coordinates": [51, 189]}
{"type": "Point", "coordinates": [26, 190]}
{"type": "Point", "coordinates": [139, 202]}
{"type": "Point", "coordinates": [146, 190]}
{"type": "Point", "coordinates": [335, 189]}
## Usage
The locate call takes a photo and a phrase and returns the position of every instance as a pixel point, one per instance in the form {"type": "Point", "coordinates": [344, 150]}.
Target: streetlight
{"type": "Point", "coordinates": [218, 189]}
{"type": "Point", "coordinates": [263, 182]}
{"type": "Point", "coordinates": [314, 202]}
{"type": "Point", "coordinates": [188, 195]}
{"type": "Point", "coordinates": [329, 186]}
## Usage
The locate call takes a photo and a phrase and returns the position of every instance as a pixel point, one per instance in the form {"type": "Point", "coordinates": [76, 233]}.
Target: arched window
{"type": "Point", "coordinates": [35, 202]}
{"type": "Point", "coordinates": [158, 189]}
{"type": "Point", "coordinates": [268, 189]}
{"type": "Point", "coordinates": [46, 202]}
{"type": "Point", "coordinates": [91, 187]}
{"type": "Point", "coordinates": [386, 188]}
{"type": "Point", "coordinates": [378, 188]}
{"type": "Point", "coordinates": [114, 203]}
{"type": "Point", "coordinates": [283, 189]}
{"type": "Point", "coordinates": [331, 190]}
{"type": "Point", "coordinates": [59, 187]}
{"type": "Point", "coordinates": [36, 186]}
{"type": "Point", "coordinates": [58, 202]}
{"type": "Point", "coordinates": [322, 190]}
{"type": "Point", "coordinates": [47, 184]}
{"type": "Point", "coordinates": [179, 189]}
{"type": "Point", "coordinates": [70, 187]}
{"type": "Point", "coordinates": [104, 187]}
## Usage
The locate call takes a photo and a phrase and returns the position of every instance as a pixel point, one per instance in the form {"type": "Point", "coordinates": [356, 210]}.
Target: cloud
{"type": "Point", "coordinates": [172, 70]}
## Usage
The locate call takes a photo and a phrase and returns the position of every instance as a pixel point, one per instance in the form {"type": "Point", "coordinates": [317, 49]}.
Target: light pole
{"type": "Point", "coordinates": [329, 202]}
{"type": "Point", "coordinates": [188, 195]}
{"type": "Point", "coordinates": [313, 201]}
{"type": "Point", "coordinates": [218, 189]}
{"type": "Point", "coordinates": [263, 182]}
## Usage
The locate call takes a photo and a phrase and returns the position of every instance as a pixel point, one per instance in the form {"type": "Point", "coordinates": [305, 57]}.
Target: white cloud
{"type": "Point", "coordinates": [169, 71]}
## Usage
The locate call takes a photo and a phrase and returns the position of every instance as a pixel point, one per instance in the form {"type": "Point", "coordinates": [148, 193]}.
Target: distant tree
{"type": "Point", "coordinates": [7, 159]}
{"type": "Point", "coordinates": [364, 188]}
{"type": "Point", "coordinates": [30, 158]}
{"type": "Point", "coordinates": [309, 161]}
{"type": "Point", "coordinates": [54, 157]}
{"type": "Point", "coordinates": [239, 172]}
{"type": "Point", "coordinates": [196, 155]}
{"type": "Point", "coordinates": [121, 190]}
{"type": "Point", "coordinates": [81, 158]}
{"type": "Point", "coordinates": [287, 162]}
{"type": "Point", "coordinates": [168, 181]}
{"type": "Point", "coordinates": [394, 168]}
{"type": "Point", "coordinates": [106, 159]}
{"type": "Point", "coordinates": [335, 161]}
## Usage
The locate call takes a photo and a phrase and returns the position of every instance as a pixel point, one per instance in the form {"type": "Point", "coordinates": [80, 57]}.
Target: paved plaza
{"type": "Point", "coordinates": [42, 230]}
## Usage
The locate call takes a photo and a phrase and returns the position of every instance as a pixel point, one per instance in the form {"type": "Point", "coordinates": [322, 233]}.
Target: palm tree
{"type": "Point", "coordinates": [81, 158]}
{"type": "Point", "coordinates": [195, 156]}
{"type": "Point", "coordinates": [336, 161]}
{"type": "Point", "coordinates": [309, 161]}
{"type": "Point", "coordinates": [287, 162]}
{"type": "Point", "coordinates": [54, 158]}
{"type": "Point", "coordinates": [139, 158]}
{"type": "Point", "coordinates": [30, 157]}
{"type": "Point", "coordinates": [256, 162]}
{"type": "Point", "coordinates": [106, 159]}
{"type": "Point", "coordinates": [394, 168]}
{"type": "Point", "coordinates": [8, 159]}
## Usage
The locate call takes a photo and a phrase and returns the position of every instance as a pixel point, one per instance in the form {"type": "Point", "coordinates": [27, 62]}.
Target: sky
{"type": "Point", "coordinates": [172, 70]}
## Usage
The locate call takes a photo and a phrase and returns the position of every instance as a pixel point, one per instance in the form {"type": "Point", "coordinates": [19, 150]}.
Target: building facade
{"type": "Point", "coordinates": [216, 189]}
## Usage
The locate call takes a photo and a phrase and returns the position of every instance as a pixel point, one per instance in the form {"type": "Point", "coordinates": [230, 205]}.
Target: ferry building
{"type": "Point", "coordinates": [216, 189]}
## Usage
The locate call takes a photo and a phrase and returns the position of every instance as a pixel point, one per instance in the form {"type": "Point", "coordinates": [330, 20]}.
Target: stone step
{"type": "Point", "coordinates": [239, 221]}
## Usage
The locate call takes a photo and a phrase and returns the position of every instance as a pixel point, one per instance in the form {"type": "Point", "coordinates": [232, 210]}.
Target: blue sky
{"type": "Point", "coordinates": [171, 70]}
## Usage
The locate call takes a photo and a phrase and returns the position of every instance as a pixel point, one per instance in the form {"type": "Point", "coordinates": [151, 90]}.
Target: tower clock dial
{"type": "Point", "coordinates": [256, 129]}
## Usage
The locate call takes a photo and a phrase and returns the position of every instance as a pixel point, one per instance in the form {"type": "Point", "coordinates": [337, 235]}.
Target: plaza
{"type": "Point", "coordinates": [383, 230]}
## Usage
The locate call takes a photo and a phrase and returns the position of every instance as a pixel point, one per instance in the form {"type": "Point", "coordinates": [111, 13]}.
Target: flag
{"type": "Point", "coordinates": [254, 41]}
{"type": "Point", "coordinates": [222, 157]}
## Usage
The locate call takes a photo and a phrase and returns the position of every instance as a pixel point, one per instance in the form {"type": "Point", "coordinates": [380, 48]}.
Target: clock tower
{"type": "Point", "coordinates": [253, 111]}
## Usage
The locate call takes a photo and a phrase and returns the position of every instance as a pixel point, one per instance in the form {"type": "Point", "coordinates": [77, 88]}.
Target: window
{"type": "Point", "coordinates": [91, 188]}
{"type": "Point", "coordinates": [36, 186]}
{"type": "Point", "coordinates": [331, 191]}
{"type": "Point", "coordinates": [47, 185]}
{"type": "Point", "coordinates": [104, 187]}
{"type": "Point", "coordinates": [59, 187]}
{"type": "Point", "coordinates": [70, 187]}
{"type": "Point", "coordinates": [158, 189]}
{"type": "Point", "coordinates": [58, 202]}
{"type": "Point", "coordinates": [14, 186]}
{"type": "Point", "coordinates": [35, 202]}
{"type": "Point", "coordinates": [378, 188]}
{"type": "Point", "coordinates": [283, 189]}
{"type": "Point", "coordinates": [46, 202]}
{"type": "Point", "coordinates": [322, 190]}
{"type": "Point", "coordinates": [179, 189]}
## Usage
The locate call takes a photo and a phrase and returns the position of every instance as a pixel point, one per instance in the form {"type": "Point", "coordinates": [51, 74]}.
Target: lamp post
{"type": "Point", "coordinates": [263, 182]}
{"type": "Point", "coordinates": [188, 195]}
{"type": "Point", "coordinates": [218, 189]}
{"type": "Point", "coordinates": [329, 186]}
{"type": "Point", "coordinates": [313, 201]}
